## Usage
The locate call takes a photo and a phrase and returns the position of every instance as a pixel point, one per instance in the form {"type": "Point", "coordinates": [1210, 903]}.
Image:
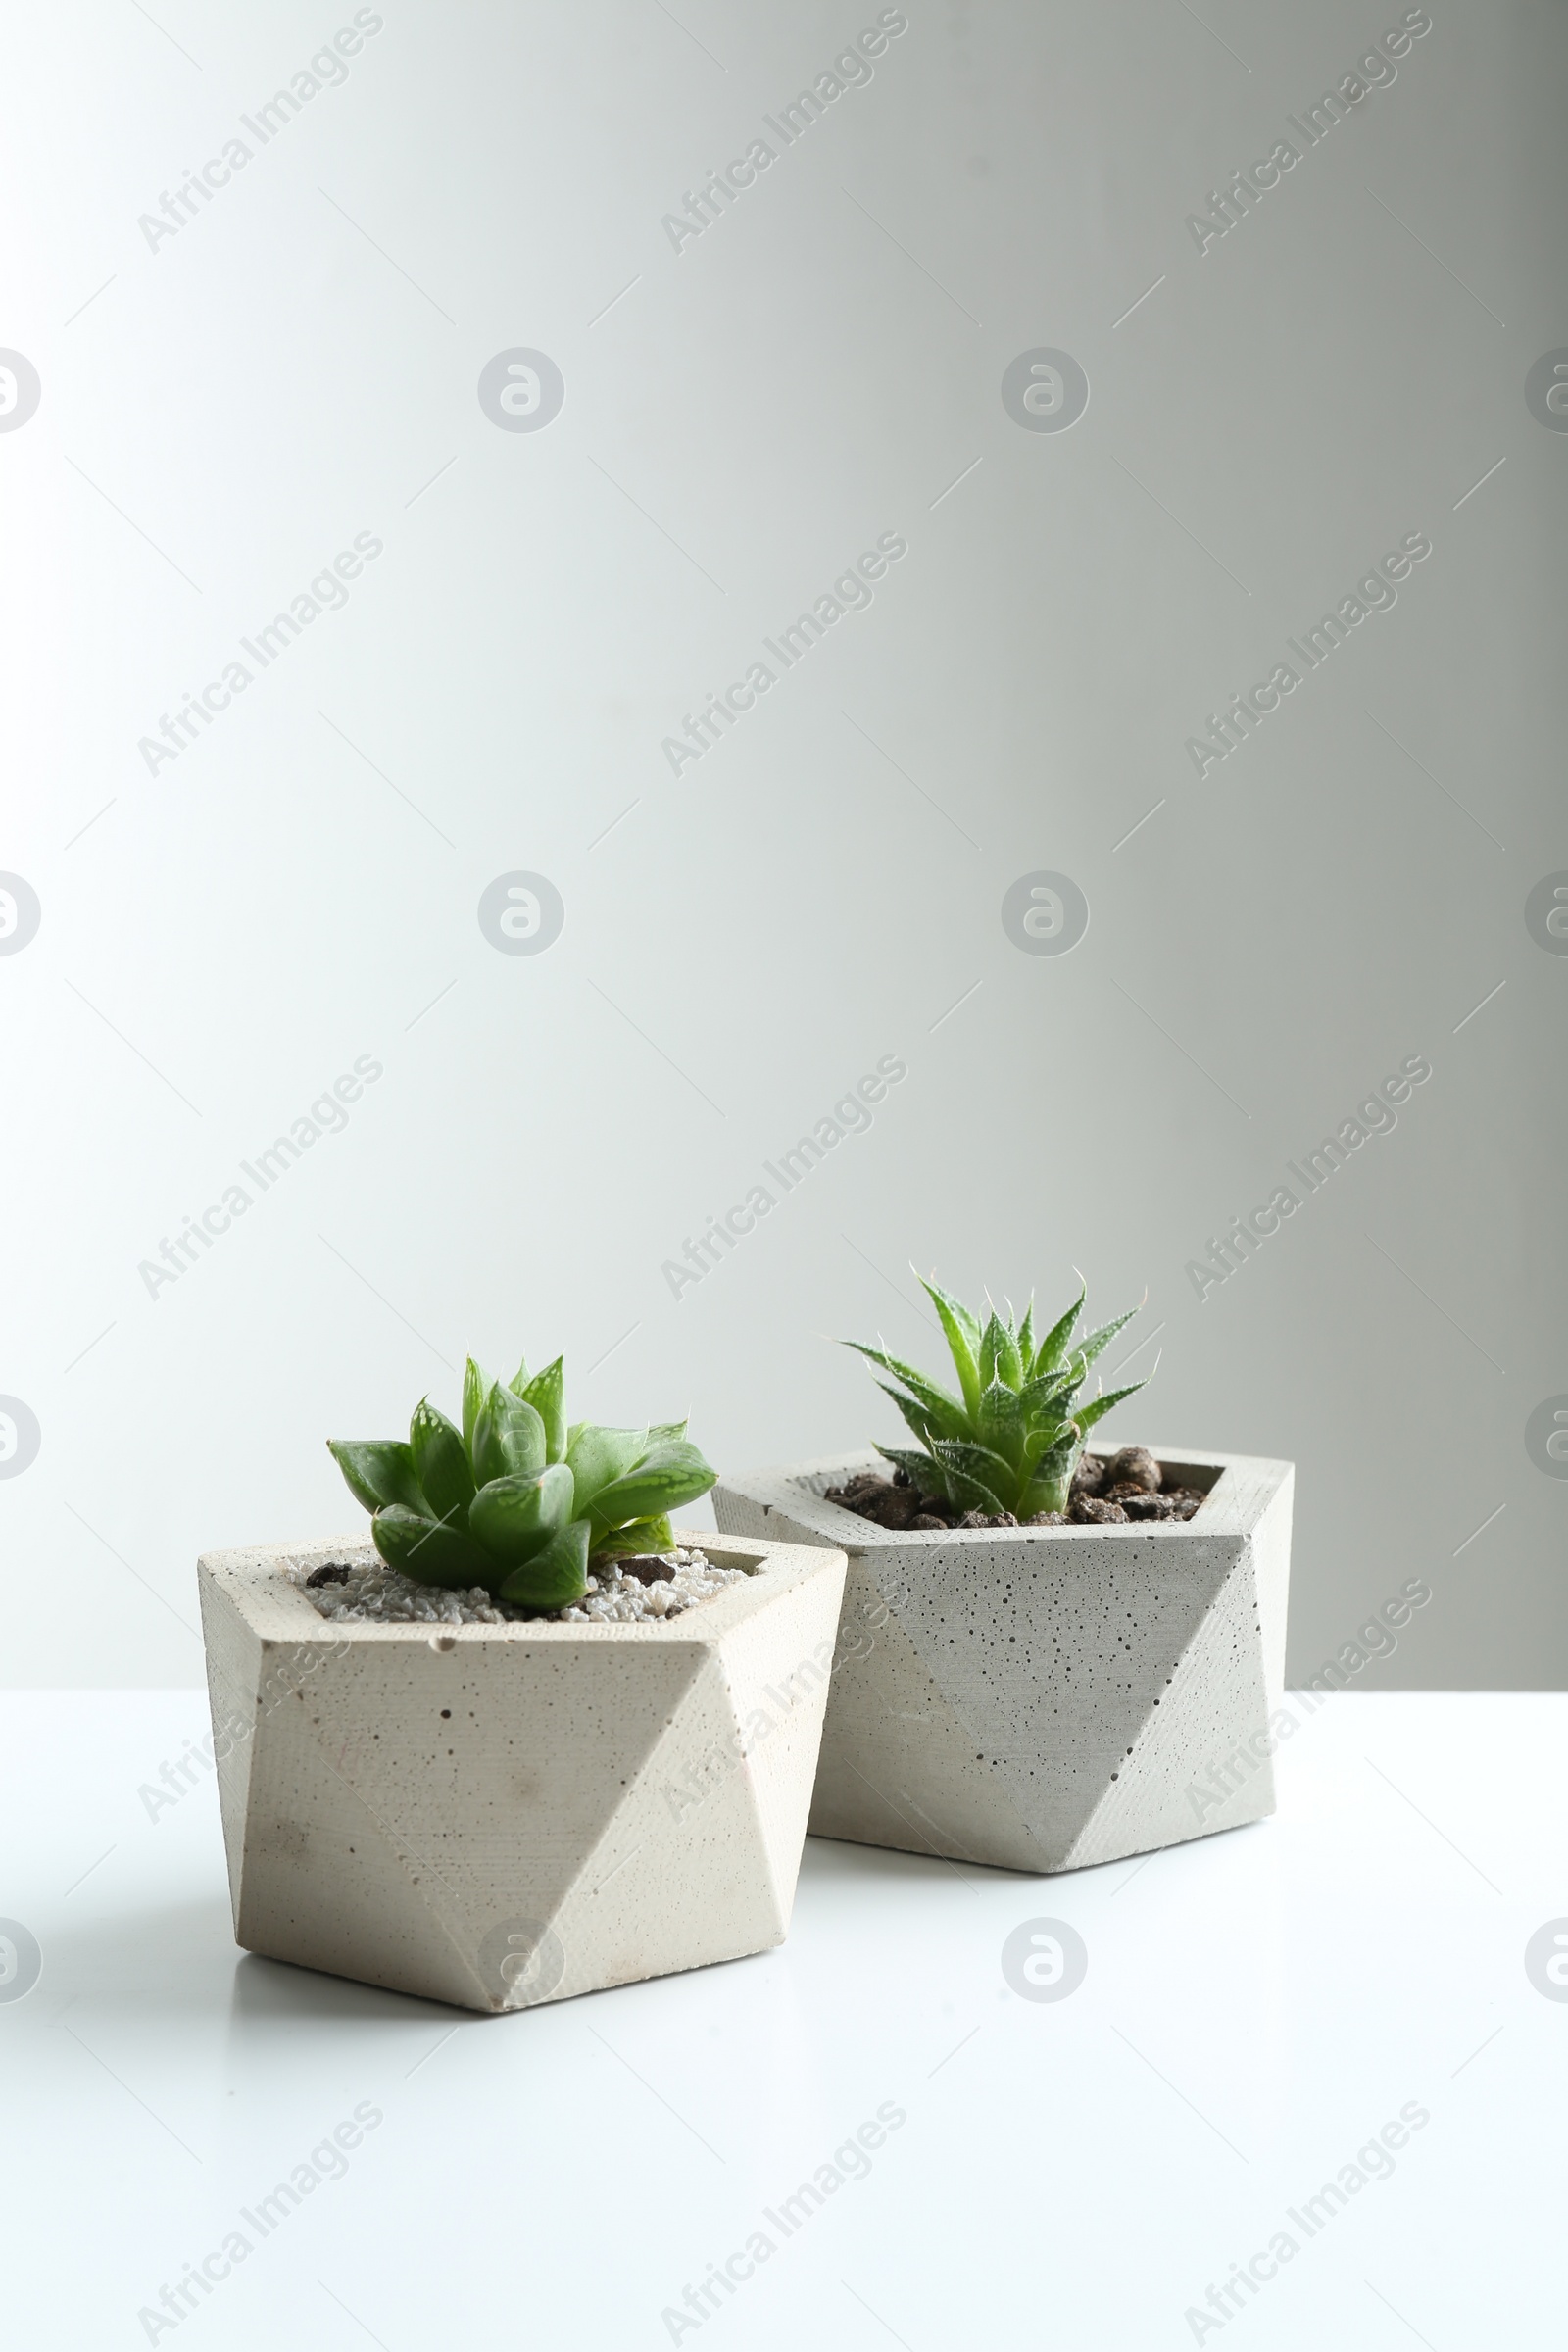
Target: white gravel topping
{"type": "Point", "coordinates": [374, 1593]}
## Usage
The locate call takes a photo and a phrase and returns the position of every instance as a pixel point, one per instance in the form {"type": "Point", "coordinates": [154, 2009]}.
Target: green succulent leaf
{"type": "Point", "coordinates": [1011, 1441]}
{"type": "Point", "coordinates": [963, 1334]}
{"type": "Point", "coordinates": [475, 1389]}
{"type": "Point", "coordinates": [967, 1494]}
{"type": "Point", "coordinates": [918, 1419]}
{"type": "Point", "coordinates": [440, 1462]}
{"type": "Point", "coordinates": [597, 1456]}
{"type": "Point", "coordinates": [927, 1473]}
{"type": "Point", "coordinates": [977, 1468]}
{"type": "Point", "coordinates": [509, 1438]}
{"type": "Point", "coordinates": [1051, 1353]}
{"type": "Point", "coordinates": [1002, 1425]}
{"type": "Point", "coordinates": [667, 1477]}
{"type": "Point", "coordinates": [946, 1410]}
{"type": "Point", "coordinates": [1046, 1489]}
{"type": "Point", "coordinates": [638, 1536]}
{"type": "Point", "coordinates": [546, 1392]}
{"type": "Point", "coordinates": [1047, 1401]}
{"type": "Point", "coordinates": [999, 1354]}
{"type": "Point", "coordinates": [428, 1552]}
{"type": "Point", "coordinates": [512, 1500]}
{"type": "Point", "coordinates": [1099, 1341]}
{"type": "Point", "coordinates": [378, 1471]}
{"type": "Point", "coordinates": [554, 1577]}
{"type": "Point", "coordinates": [1043, 1388]}
{"type": "Point", "coordinates": [516, 1517]}
{"type": "Point", "coordinates": [1088, 1414]}
{"type": "Point", "coordinates": [1061, 1454]}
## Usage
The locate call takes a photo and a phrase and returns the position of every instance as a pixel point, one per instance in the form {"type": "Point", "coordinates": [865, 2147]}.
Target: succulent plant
{"type": "Point", "coordinates": [515, 1500]}
{"type": "Point", "coordinates": [1011, 1440]}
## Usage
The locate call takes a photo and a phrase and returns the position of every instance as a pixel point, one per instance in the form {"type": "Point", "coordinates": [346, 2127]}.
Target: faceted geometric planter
{"type": "Point", "coordinates": [1046, 1697]}
{"type": "Point", "coordinates": [498, 1816]}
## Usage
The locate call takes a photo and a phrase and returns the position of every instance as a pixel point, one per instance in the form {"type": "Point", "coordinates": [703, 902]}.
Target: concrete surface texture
{"type": "Point", "coordinates": [1047, 1697]}
{"type": "Point", "coordinates": [501, 1815]}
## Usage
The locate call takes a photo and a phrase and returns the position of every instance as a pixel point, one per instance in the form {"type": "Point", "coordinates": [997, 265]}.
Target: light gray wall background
{"type": "Point", "coordinates": [224, 408]}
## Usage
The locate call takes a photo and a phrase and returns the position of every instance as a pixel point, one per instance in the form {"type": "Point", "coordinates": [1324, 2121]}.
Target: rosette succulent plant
{"type": "Point", "coordinates": [515, 1500]}
{"type": "Point", "coordinates": [1011, 1440]}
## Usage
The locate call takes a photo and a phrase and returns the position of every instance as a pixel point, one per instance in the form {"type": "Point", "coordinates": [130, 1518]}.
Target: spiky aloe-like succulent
{"type": "Point", "coordinates": [1011, 1438]}
{"type": "Point", "coordinates": [515, 1500]}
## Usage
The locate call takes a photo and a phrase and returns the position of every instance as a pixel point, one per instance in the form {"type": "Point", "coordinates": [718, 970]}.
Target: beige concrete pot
{"type": "Point", "coordinates": [498, 1816]}
{"type": "Point", "coordinates": [1046, 1697]}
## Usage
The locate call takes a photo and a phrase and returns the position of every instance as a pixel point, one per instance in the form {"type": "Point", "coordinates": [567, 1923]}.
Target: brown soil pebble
{"type": "Point", "coordinates": [1099, 1498]}
{"type": "Point", "coordinates": [864, 1482]}
{"type": "Point", "coordinates": [648, 1567]}
{"type": "Point", "coordinates": [1134, 1466]}
{"type": "Point", "coordinates": [888, 1503]}
{"type": "Point", "coordinates": [332, 1572]}
{"type": "Point", "coordinates": [900, 1507]}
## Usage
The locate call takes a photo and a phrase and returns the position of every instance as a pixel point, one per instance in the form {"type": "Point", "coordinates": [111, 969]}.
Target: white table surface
{"type": "Point", "coordinates": [1258, 2006]}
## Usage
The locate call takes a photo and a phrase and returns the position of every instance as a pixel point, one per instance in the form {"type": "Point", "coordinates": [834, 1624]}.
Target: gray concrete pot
{"type": "Point", "coordinates": [497, 1816]}
{"type": "Point", "coordinates": [1046, 1697]}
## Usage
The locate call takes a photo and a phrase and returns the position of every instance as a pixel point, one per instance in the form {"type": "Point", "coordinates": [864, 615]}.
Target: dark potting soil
{"type": "Point", "coordinates": [1129, 1486]}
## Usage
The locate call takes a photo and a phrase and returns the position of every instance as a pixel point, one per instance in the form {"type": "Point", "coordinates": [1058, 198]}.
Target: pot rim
{"type": "Point", "coordinates": [253, 1579]}
{"type": "Point", "coordinates": [1239, 1487]}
